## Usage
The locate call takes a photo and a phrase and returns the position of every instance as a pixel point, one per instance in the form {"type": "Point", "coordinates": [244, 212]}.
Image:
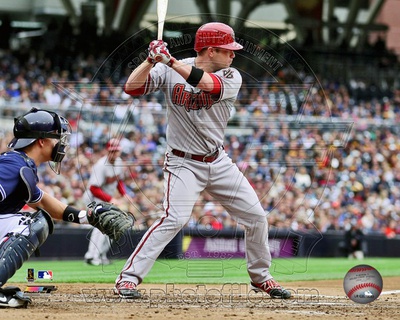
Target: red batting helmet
{"type": "Point", "coordinates": [113, 145]}
{"type": "Point", "coordinates": [215, 34]}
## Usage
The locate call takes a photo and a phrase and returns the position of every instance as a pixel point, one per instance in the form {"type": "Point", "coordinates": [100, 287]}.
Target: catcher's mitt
{"type": "Point", "coordinates": [109, 219]}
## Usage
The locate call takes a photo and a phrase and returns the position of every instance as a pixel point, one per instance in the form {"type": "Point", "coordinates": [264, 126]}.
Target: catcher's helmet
{"type": "Point", "coordinates": [215, 34]}
{"type": "Point", "coordinates": [38, 124]}
{"type": "Point", "coordinates": [41, 124]}
{"type": "Point", "coordinates": [113, 145]}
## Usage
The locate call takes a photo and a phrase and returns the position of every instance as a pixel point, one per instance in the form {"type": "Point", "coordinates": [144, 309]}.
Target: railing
{"type": "Point", "coordinates": [123, 118]}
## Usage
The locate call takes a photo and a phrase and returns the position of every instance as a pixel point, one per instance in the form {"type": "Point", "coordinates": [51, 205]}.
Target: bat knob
{"type": "Point", "coordinates": [158, 58]}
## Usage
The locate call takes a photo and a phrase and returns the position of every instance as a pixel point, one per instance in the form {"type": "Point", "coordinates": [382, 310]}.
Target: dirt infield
{"type": "Point", "coordinates": [311, 300]}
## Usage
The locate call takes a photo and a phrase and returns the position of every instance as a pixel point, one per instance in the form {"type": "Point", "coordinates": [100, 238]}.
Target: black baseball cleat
{"type": "Point", "coordinates": [272, 288]}
{"type": "Point", "coordinates": [127, 290]}
{"type": "Point", "coordinates": [13, 297]}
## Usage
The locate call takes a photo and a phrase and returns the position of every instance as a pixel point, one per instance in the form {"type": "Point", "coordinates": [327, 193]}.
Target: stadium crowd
{"type": "Point", "coordinates": [339, 167]}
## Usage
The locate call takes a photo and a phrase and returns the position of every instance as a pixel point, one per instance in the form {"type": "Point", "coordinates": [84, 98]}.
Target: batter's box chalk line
{"type": "Point", "coordinates": [390, 292]}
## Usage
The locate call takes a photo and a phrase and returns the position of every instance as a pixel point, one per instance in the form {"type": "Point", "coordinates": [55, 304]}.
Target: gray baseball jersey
{"type": "Point", "coordinates": [106, 175]}
{"type": "Point", "coordinates": [196, 119]}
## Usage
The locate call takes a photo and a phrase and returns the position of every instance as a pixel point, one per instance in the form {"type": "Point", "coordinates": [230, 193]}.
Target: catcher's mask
{"type": "Point", "coordinates": [40, 124]}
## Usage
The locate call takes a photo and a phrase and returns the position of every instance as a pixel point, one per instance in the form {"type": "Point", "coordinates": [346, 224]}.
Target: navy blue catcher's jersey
{"type": "Point", "coordinates": [14, 193]}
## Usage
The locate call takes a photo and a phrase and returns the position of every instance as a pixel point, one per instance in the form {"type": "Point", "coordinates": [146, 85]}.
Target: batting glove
{"type": "Point", "coordinates": [154, 44]}
{"type": "Point", "coordinates": [158, 52]}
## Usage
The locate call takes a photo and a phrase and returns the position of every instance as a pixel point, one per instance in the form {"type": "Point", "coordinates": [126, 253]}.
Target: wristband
{"type": "Point", "coordinates": [171, 62]}
{"type": "Point", "coordinates": [195, 76]}
{"type": "Point", "coordinates": [74, 215]}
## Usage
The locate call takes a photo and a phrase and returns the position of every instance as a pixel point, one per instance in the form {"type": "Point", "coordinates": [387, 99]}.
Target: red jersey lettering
{"type": "Point", "coordinates": [191, 100]}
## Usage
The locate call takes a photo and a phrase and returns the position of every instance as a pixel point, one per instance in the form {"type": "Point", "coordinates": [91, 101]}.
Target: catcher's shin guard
{"type": "Point", "coordinates": [15, 249]}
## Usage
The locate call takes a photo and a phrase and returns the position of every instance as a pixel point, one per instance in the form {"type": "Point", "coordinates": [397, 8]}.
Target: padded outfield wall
{"type": "Point", "coordinates": [71, 243]}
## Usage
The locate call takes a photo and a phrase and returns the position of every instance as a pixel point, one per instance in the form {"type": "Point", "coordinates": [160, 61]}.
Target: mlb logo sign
{"type": "Point", "coordinates": [45, 275]}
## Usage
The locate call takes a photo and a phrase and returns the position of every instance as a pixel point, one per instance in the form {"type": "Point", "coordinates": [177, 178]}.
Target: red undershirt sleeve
{"type": "Point", "coordinates": [139, 91]}
{"type": "Point", "coordinates": [217, 84]}
{"type": "Point", "coordinates": [100, 194]}
{"type": "Point", "coordinates": [121, 188]}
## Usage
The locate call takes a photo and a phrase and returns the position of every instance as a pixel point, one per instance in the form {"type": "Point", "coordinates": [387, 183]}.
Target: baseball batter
{"type": "Point", "coordinates": [200, 93]}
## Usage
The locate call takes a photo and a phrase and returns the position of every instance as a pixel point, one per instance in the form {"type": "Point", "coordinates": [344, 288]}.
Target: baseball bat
{"type": "Point", "coordinates": [162, 6]}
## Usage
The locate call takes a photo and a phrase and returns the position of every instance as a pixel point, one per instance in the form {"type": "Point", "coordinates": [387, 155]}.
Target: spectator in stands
{"type": "Point", "coordinates": [390, 230]}
{"type": "Point", "coordinates": [302, 178]}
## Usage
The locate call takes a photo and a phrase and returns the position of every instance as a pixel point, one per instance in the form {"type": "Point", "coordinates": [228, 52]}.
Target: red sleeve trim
{"type": "Point", "coordinates": [139, 91]}
{"type": "Point", "coordinates": [121, 188]}
{"type": "Point", "coordinates": [217, 84]}
{"type": "Point", "coordinates": [100, 194]}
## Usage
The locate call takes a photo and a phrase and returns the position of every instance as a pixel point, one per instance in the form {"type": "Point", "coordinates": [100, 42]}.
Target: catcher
{"type": "Point", "coordinates": [39, 136]}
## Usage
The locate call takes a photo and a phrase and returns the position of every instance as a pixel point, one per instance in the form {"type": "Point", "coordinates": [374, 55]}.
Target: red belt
{"type": "Point", "coordinates": [197, 157]}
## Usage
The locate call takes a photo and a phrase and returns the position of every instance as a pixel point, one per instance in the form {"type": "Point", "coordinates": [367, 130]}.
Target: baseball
{"type": "Point", "coordinates": [363, 284]}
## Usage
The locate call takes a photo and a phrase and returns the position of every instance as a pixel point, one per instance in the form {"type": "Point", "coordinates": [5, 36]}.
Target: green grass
{"type": "Point", "coordinates": [208, 271]}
